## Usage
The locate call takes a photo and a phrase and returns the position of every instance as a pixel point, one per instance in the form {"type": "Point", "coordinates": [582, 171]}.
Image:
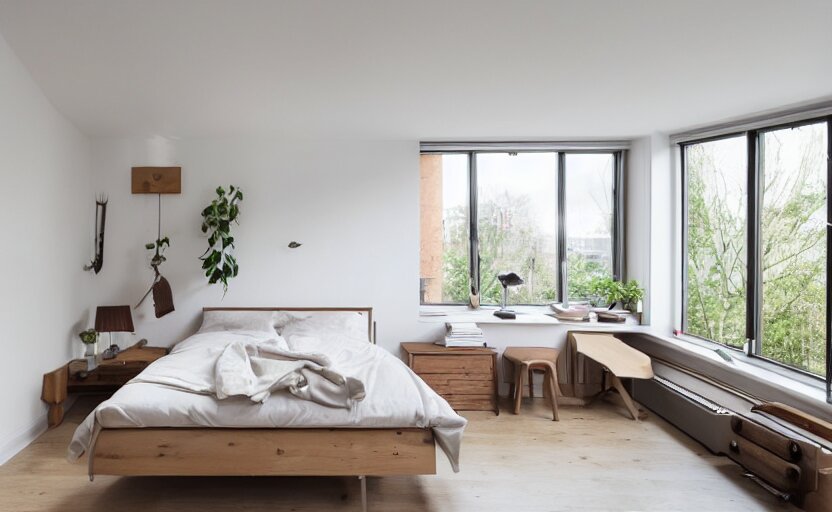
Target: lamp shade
{"type": "Point", "coordinates": [510, 279]}
{"type": "Point", "coordinates": [113, 319]}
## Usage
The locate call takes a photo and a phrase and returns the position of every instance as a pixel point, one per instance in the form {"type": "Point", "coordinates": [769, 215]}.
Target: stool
{"type": "Point", "coordinates": [528, 359]}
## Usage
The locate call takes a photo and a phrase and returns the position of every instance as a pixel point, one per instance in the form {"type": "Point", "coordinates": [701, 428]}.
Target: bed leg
{"type": "Point", "coordinates": [363, 480]}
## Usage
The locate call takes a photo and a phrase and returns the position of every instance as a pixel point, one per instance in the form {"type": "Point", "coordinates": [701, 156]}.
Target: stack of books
{"type": "Point", "coordinates": [573, 313]}
{"type": "Point", "coordinates": [462, 335]}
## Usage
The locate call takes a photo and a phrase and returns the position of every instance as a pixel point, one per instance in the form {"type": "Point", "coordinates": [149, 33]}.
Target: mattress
{"type": "Point", "coordinates": [395, 396]}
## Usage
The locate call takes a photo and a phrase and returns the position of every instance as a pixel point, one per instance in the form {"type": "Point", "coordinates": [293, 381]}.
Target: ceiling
{"type": "Point", "coordinates": [422, 69]}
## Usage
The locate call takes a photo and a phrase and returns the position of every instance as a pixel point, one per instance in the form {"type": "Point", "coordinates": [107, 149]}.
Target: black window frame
{"type": "Point", "coordinates": [617, 228]}
{"type": "Point", "coordinates": [753, 345]}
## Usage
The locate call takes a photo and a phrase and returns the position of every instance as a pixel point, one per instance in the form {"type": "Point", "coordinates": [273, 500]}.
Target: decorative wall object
{"type": "Point", "coordinates": [218, 262]}
{"type": "Point", "coordinates": [100, 218]}
{"type": "Point", "coordinates": [158, 180]}
{"type": "Point", "coordinates": [294, 245]}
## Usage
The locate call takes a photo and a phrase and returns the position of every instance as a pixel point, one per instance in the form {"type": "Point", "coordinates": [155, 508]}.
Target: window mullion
{"type": "Point", "coordinates": [754, 271]}
{"type": "Point", "coordinates": [563, 295]}
{"type": "Point", "coordinates": [474, 256]}
{"type": "Point", "coordinates": [828, 260]}
{"type": "Point", "coordinates": [618, 216]}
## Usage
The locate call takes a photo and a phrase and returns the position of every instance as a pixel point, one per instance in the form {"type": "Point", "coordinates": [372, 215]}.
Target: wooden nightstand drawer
{"type": "Point", "coordinates": [466, 378]}
{"type": "Point", "coordinates": [471, 402]}
{"type": "Point", "coordinates": [455, 384]}
{"type": "Point", "coordinates": [452, 364]}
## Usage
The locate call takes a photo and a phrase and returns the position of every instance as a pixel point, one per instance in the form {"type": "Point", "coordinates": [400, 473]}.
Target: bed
{"type": "Point", "coordinates": [147, 428]}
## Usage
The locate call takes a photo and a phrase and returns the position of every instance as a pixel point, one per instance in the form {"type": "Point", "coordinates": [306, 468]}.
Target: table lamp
{"type": "Point", "coordinates": [113, 319]}
{"type": "Point", "coordinates": [507, 279]}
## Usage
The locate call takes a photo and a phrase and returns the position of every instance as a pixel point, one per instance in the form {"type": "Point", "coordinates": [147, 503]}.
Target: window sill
{"type": "Point", "coordinates": [526, 315]}
{"type": "Point", "coordinates": [804, 387]}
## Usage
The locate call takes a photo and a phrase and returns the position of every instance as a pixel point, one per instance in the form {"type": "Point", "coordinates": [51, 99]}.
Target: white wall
{"type": "Point", "coordinates": [47, 238]}
{"type": "Point", "coordinates": [663, 232]}
{"type": "Point", "coordinates": [352, 204]}
{"type": "Point", "coordinates": [637, 219]}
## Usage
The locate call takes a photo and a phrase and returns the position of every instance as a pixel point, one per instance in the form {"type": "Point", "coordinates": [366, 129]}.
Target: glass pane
{"type": "Point", "coordinates": [589, 213]}
{"type": "Point", "coordinates": [443, 261]}
{"type": "Point", "coordinates": [717, 183]}
{"type": "Point", "coordinates": [793, 245]}
{"type": "Point", "coordinates": [517, 223]}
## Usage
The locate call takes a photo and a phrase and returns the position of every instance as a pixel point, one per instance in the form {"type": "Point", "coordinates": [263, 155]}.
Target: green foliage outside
{"type": "Point", "coordinates": [518, 247]}
{"type": "Point", "coordinates": [793, 249]}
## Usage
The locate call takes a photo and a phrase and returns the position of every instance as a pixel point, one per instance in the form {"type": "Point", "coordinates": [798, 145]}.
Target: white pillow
{"type": "Point", "coordinates": [321, 323]}
{"type": "Point", "coordinates": [214, 321]}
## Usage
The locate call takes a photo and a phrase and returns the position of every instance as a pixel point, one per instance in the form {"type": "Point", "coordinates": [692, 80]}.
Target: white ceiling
{"type": "Point", "coordinates": [419, 69]}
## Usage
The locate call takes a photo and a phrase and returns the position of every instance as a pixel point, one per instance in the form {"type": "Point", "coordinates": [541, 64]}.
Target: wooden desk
{"type": "Point", "coordinates": [465, 377]}
{"type": "Point", "coordinates": [107, 377]}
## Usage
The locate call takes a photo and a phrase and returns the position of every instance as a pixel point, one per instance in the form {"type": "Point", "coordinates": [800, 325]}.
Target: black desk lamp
{"type": "Point", "coordinates": [507, 279]}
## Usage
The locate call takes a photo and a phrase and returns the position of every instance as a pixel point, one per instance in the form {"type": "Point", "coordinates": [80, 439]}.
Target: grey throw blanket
{"type": "Point", "coordinates": [257, 370]}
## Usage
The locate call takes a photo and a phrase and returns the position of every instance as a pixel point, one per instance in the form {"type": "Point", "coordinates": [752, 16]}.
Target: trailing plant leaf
{"type": "Point", "coordinates": [218, 262]}
{"type": "Point", "coordinates": [159, 247]}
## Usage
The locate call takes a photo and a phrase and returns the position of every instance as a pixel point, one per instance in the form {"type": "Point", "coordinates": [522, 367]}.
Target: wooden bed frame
{"type": "Point", "coordinates": [266, 452]}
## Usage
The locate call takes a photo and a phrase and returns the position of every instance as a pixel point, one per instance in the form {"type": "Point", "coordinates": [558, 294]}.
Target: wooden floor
{"type": "Point", "coordinates": [593, 459]}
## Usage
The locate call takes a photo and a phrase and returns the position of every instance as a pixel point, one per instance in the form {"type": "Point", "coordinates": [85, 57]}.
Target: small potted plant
{"type": "Point", "coordinates": [605, 291]}
{"type": "Point", "coordinates": [90, 340]}
{"type": "Point", "coordinates": [631, 295]}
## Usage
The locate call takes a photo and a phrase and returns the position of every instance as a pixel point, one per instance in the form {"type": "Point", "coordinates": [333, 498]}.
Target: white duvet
{"type": "Point", "coordinates": [395, 396]}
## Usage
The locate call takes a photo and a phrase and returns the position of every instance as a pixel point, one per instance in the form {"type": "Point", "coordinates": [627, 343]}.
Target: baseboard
{"type": "Point", "coordinates": [25, 437]}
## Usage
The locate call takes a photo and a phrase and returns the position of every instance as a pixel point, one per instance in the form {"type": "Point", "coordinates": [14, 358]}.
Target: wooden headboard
{"type": "Point", "coordinates": [367, 312]}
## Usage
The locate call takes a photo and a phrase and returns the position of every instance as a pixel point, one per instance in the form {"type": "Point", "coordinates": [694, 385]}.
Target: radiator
{"type": "Point", "coordinates": [793, 463]}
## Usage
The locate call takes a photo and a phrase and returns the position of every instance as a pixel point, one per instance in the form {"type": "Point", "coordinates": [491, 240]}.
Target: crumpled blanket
{"type": "Point", "coordinates": [258, 369]}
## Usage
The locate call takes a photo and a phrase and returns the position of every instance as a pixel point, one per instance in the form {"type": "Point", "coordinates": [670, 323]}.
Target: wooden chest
{"type": "Point", "coordinates": [465, 377]}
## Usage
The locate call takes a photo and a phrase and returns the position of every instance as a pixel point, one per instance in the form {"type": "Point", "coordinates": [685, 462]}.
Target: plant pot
{"type": "Point", "coordinates": [91, 349]}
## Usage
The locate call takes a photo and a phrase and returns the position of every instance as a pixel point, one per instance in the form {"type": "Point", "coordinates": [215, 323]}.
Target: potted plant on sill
{"type": "Point", "coordinates": [607, 292]}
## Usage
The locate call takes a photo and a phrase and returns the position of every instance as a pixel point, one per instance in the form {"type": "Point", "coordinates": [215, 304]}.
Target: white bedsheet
{"type": "Point", "coordinates": [395, 396]}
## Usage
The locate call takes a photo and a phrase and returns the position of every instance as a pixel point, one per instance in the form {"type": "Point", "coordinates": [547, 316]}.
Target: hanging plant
{"type": "Point", "coordinates": [158, 257]}
{"type": "Point", "coordinates": [218, 262]}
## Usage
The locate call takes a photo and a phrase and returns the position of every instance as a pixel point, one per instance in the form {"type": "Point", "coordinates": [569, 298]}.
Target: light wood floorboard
{"type": "Point", "coordinates": [593, 459]}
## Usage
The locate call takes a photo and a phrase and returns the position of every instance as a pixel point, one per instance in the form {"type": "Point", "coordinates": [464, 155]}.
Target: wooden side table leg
{"type": "Point", "coordinates": [55, 416]}
{"type": "Point", "coordinates": [54, 394]}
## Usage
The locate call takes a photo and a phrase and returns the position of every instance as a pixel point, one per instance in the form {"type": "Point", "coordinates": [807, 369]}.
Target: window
{"type": "Point", "coordinates": [444, 229]}
{"type": "Point", "coordinates": [756, 243]}
{"type": "Point", "coordinates": [793, 257]}
{"type": "Point", "coordinates": [716, 256]}
{"type": "Point", "coordinates": [547, 215]}
{"type": "Point", "coordinates": [517, 225]}
{"type": "Point", "coordinates": [589, 220]}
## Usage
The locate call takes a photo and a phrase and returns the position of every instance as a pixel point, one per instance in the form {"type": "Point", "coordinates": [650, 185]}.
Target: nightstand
{"type": "Point", "coordinates": [108, 376]}
{"type": "Point", "coordinates": [465, 377]}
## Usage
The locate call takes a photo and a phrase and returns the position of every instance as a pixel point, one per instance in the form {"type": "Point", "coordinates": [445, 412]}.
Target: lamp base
{"type": "Point", "coordinates": [505, 314]}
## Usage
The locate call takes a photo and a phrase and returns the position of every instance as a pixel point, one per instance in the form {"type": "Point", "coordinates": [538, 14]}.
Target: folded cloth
{"type": "Point", "coordinates": [256, 370]}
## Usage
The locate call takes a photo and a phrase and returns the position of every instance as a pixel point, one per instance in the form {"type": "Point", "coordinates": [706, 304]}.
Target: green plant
{"type": "Point", "coordinates": [218, 262]}
{"type": "Point", "coordinates": [159, 246]}
{"type": "Point", "coordinates": [606, 291]}
{"type": "Point", "coordinates": [632, 293]}
{"type": "Point", "coordinates": [88, 337]}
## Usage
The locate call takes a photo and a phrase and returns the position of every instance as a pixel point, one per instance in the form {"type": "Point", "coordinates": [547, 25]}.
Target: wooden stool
{"type": "Point", "coordinates": [528, 359]}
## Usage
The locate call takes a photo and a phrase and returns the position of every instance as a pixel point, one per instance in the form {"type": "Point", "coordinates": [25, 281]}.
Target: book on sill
{"type": "Point", "coordinates": [462, 343]}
